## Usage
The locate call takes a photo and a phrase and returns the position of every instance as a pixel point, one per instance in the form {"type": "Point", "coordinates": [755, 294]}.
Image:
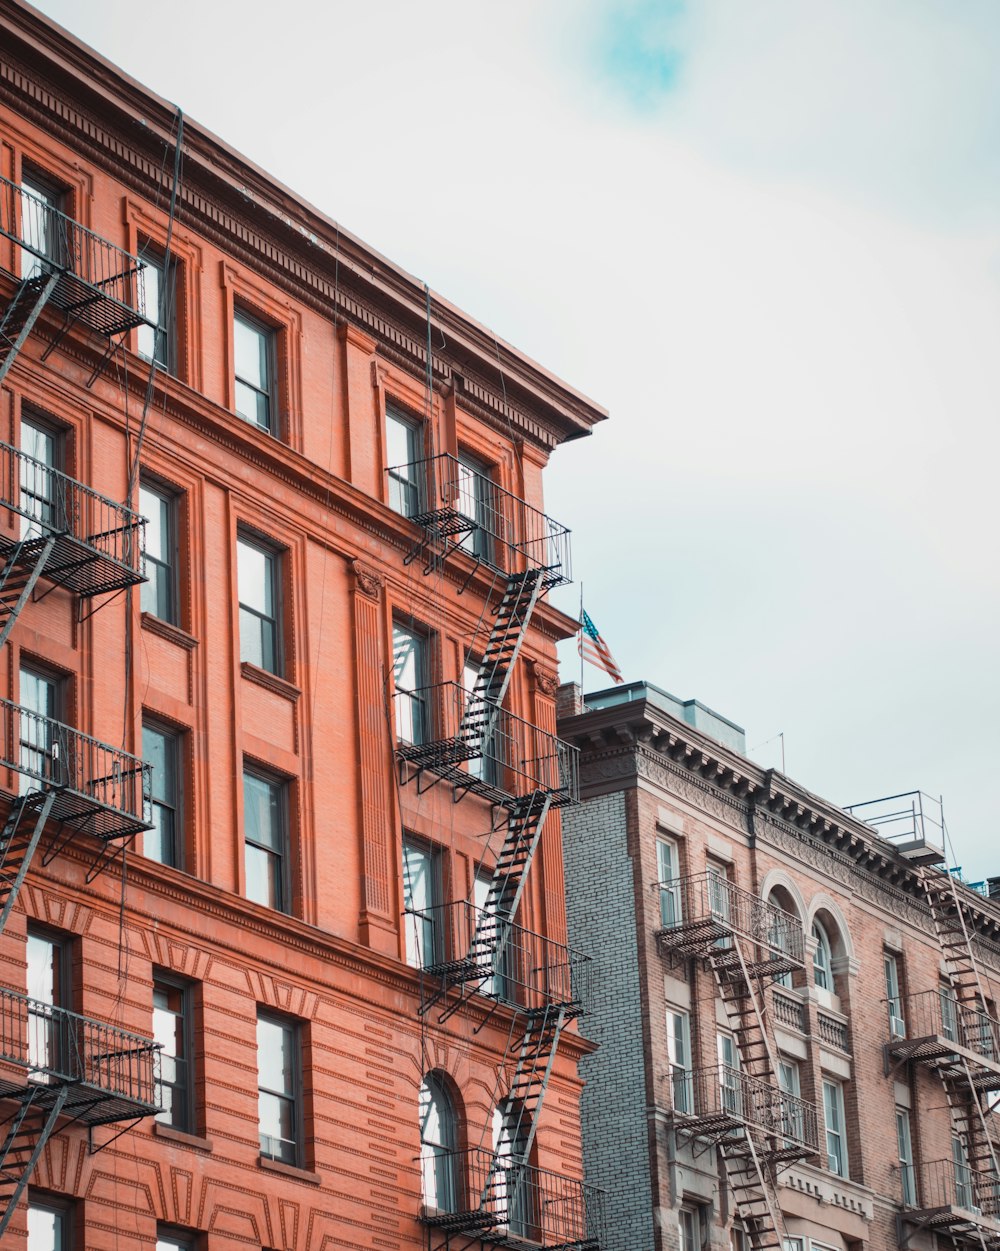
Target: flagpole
{"type": "Point", "coordinates": [579, 642]}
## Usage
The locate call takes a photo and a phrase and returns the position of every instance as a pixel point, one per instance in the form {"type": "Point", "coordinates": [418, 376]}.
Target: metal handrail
{"type": "Point", "coordinates": [498, 528]}
{"type": "Point", "coordinates": [473, 742]}
{"type": "Point", "coordinates": [708, 897]}
{"type": "Point", "coordinates": [937, 1184]}
{"type": "Point", "coordinates": [57, 1045]}
{"type": "Point", "coordinates": [938, 1013]}
{"type": "Point", "coordinates": [721, 1094]}
{"type": "Point", "coordinates": [513, 965]}
{"type": "Point", "coordinates": [100, 283]}
{"type": "Point", "coordinates": [909, 817]}
{"type": "Point", "coordinates": [54, 503]}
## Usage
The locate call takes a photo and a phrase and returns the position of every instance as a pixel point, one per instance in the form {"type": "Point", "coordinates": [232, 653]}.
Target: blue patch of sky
{"type": "Point", "coordinates": [638, 49]}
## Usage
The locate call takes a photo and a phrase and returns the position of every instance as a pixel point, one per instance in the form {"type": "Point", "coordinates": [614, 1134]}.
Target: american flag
{"type": "Point", "coordinates": [593, 648]}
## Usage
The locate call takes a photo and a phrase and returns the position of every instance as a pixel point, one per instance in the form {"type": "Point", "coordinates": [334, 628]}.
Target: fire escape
{"type": "Point", "coordinates": [951, 1030]}
{"type": "Point", "coordinates": [477, 746]}
{"type": "Point", "coordinates": [58, 1068]}
{"type": "Point", "coordinates": [758, 1127]}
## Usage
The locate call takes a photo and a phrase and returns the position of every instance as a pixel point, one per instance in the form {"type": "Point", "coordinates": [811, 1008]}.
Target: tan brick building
{"type": "Point", "coordinates": [795, 1005]}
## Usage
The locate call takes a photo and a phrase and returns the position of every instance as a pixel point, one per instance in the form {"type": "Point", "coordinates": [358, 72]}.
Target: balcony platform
{"type": "Point", "coordinates": [958, 1042]}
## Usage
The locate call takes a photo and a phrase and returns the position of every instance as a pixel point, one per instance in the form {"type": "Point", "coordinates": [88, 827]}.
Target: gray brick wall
{"type": "Point", "coordinates": [600, 906]}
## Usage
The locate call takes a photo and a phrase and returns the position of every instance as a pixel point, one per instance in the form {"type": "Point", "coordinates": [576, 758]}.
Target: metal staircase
{"type": "Point", "coordinates": [20, 316]}
{"type": "Point", "coordinates": [28, 1130]}
{"type": "Point", "coordinates": [22, 566]}
{"type": "Point", "coordinates": [19, 840]}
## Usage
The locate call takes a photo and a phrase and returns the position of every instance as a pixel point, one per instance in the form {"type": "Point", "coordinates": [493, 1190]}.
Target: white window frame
{"type": "Point", "coordinates": [668, 870]}
{"type": "Point", "coordinates": [904, 1144]}
{"type": "Point", "coordinates": [822, 956]}
{"type": "Point", "coordinates": [679, 1057]}
{"type": "Point", "coordinates": [835, 1127]}
{"type": "Point", "coordinates": [893, 999]}
{"type": "Point", "coordinates": [790, 1083]}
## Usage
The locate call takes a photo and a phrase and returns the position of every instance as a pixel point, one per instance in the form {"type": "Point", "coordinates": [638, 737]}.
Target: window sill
{"type": "Point", "coordinates": [166, 630]}
{"type": "Point", "coordinates": [289, 1170]}
{"type": "Point", "coordinates": [172, 1134]}
{"type": "Point", "coordinates": [269, 681]}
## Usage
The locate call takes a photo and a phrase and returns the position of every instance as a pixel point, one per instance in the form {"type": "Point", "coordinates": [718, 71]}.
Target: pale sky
{"type": "Point", "coordinates": [764, 235]}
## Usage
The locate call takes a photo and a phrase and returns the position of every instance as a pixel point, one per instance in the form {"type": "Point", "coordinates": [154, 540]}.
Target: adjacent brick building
{"type": "Point", "coordinates": [794, 1004]}
{"type": "Point", "coordinates": [244, 917]}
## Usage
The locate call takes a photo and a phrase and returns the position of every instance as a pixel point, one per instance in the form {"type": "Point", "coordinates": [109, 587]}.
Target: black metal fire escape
{"type": "Point", "coordinates": [758, 1127]}
{"type": "Point", "coordinates": [479, 747]}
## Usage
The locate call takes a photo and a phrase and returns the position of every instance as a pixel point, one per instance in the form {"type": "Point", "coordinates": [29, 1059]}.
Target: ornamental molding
{"type": "Point", "coordinates": [674, 778]}
{"type": "Point", "coordinates": [368, 581]}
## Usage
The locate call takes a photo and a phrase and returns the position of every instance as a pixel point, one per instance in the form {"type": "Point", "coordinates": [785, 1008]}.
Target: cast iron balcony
{"type": "Point", "coordinates": [469, 742]}
{"type": "Point", "coordinates": [510, 1204]}
{"type": "Point", "coordinates": [98, 543]}
{"type": "Point", "coordinates": [952, 1199]}
{"type": "Point", "coordinates": [464, 945]}
{"type": "Point", "coordinates": [97, 787]}
{"type": "Point", "coordinates": [700, 913]}
{"type": "Point", "coordinates": [957, 1041]}
{"type": "Point", "coordinates": [112, 1072]}
{"type": "Point", "coordinates": [722, 1102]}
{"type": "Point", "coordinates": [467, 511]}
{"type": "Point", "coordinates": [98, 283]}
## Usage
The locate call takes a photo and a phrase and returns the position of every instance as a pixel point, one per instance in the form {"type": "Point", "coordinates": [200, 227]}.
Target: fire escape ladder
{"type": "Point", "coordinates": [18, 840]}
{"type": "Point", "coordinates": [745, 1009]}
{"type": "Point", "coordinates": [509, 627]}
{"type": "Point", "coordinates": [754, 1195]}
{"type": "Point", "coordinates": [524, 829]}
{"type": "Point", "coordinates": [951, 928]}
{"type": "Point", "coordinates": [22, 568]}
{"type": "Point", "coordinates": [27, 1133]}
{"type": "Point", "coordinates": [21, 314]}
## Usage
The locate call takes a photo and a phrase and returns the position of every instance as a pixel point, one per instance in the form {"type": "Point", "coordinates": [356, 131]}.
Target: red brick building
{"type": "Point", "coordinates": [795, 1005]}
{"type": "Point", "coordinates": [265, 981]}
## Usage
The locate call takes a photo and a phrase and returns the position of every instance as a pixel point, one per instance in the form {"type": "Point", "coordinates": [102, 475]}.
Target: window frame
{"type": "Point", "coordinates": [893, 994]}
{"type": "Point", "coordinates": [49, 189]}
{"type": "Point", "coordinates": [438, 1160]}
{"type": "Point", "coordinates": [47, 512]}
{"type": "Point", "coordinates": [470, 468]}
{"type": "Point", "coordinates": [291, 1096]}
{"type": "Point", "coordinates": [166, 586]}
{"type": "Point", "coordinates": [671, 899]}
{"type": "Point", "coordinates": [47, 749]}
{"type": "Point", "coordinates": [268, 335]}
{"type": "Point", "coordinates": [164, 338]}
{"type": "Point", "coordinates": [679, 1059]}
{"type": "Point", "coordinates": [172, 803]}
{"type": "Point", "coordinates": [405, 493]}
{"type": "Point", "coordinates": [274, 585]}
{"type": "Point", "coordinates": [62, 1209]}
{"type": "Point", "coordinates": [45, 1039]}
{"type": "Point", "coordinates": [822, 961]}
{"type": "Point", "coordinates": [837, 1161]}
{"type": "Point", "coordinates": [163, 979]}
{"type": "Point", "coordinates": [170, 1238]}
{"type": "Point", "coordinates": [422, 936]}
{"type": "Point", "coordinates": [280, 883]}
{"type": "Point", "coordinates": [419, 717]}
{"type": "Point", "coordinates": [907, 1165]}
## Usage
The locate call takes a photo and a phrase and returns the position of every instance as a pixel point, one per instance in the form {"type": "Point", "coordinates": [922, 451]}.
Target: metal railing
{"type": "Point", "coordinates": [720, 1097]}
{"type": "Point", "coordinates": [56, 1046]}
{"type": "Point", "coordinates": [103, 788]}
{"type": "Point", "coordinates": [832, 1031]}
{"type": "Point", "coordinates": [456, 503]}
{"type": "Point", "coordinates": [99, 282]}
{"type": "Point", "coordinates": [473, 743]}
{"type": "Point", "coordinates": [102, 541]}
{"type": "Point", "coordinates": [789, 1011]}
{"type": "Point", "coordinates": [697, 910]}
{"type": "Point", "coordinates": [910, 821]}
{"type": "Point", "coordinates": [463, 943]}
{"type": "Point", "coordinates": [938, 1014]}
{"type": "Point", "coordinates": [944, 1184]}
{"type": "Point", "coordinates": [518, 1203]}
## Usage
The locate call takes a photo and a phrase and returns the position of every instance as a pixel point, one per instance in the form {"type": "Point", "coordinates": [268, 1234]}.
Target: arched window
{"type": "Point", "coordinates": [785, 933]}
{"type": "Point", "coordinates": [437, 1145]}
{"type": "Point", "coordinates": [822, 957]}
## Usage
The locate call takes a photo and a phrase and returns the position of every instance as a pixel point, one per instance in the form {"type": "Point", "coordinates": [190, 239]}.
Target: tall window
{"type": "Point", "coordinates": [403, 452]}
{"type": "Point", "coordinates": [679, 1055]}
{"type": "Point", "coordinates": [160, 750]}
{"type": "Point", "coordinates": [265, 841]}
{"type": "Point", "coordinates": [512, 1188]}
{"type": "Point", "coordinates": [480, 728]}
{"type": "Point", "coordinates": [257, 578]}
{"type": "Point", "coordinates": [48, 969]}
{"type": "Point", "coordinates": [41, 503]}
{"type": "Point", "coordinates": [409, 665]}
{"type": "Point", "coordinates": [159, 594]}
{"type": "Point", "coordinates": [908, 1181]}
{"type": "Point", "coordinates": [893, 999]}
{"type": "Point", "coordinates": [729, 1076]}
{"type": "Point", "coordinates": [833, 1112]}
{"type": "Point", "coordinates": [689, 1221]}
{"type": "Point", "coordinates": [157, 342]}
{"type": "Point", "coordinates": [421, 895]}
{"type": "Point", "coordinates": [822, 957]}
{"type": "Point", "coordinates": [173, 1030]}
{"type": "Point", "coordinates": [792, 1110]}
{"type": "Point", "coordinates": [437, 1146]}
{"type": "Point", "coordinates": [475, 501]}
{"type": "Point", "coordinates": [254, 353]}
{"type": "Point", "coordinates": [948, 999]}
{"type": "Point", "coordinates": [42, 227]}
{"type": "Point", "coordinates": [964, 1193]}
{"type": "Point", "coordinates": [667, 868]}
{"type": "Point", "coordinates": [780, 936]}
{"type": "Point", "coordinates": [278, 1083]}
{"type": "Point", "coordinates": [40, 749]}
{"type": "Point", "coordinates": [48, 1226]}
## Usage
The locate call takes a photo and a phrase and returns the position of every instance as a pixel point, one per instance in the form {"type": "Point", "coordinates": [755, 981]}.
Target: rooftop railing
{"type": "Point", "coordinates": [99, 543]}
{"type": "Point", "coordinates": [99, 283]}
{"type": "Point", "coordinates": [946, 1194]}
{"type": "Point", "coordinates": [469, 511]}
{"type": "Point", "coordinates": [930, 1025]}
{"type": "Point", "coordinates": [115, 1071]}
{"type": "Point", "coordinates": [714, 1101]}
{"type": "Point", "coordinates": [912, 821]}
{"type": "Point", "coordinates": [477, 746]}
{"type": "Point", "coordinates": [466, 945]}
{"type": "Point", "coordinates": [512, 1203]}
{"type": "Point", "coordinates": [99, 788]}
{"type": "Point", "coordinates": [702, 910]}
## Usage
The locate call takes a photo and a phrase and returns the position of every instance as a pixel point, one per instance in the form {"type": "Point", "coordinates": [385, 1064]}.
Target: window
{"type": "Point", "coordinates": [47, 983]}
{"type": "Point", "coordinates": [43, 228]}
{"type": "Point", "coordinates": [172, 1240]}
{"type": "Point", "coordinates": [679, 1055]}
{"type": "Point", "coordinates": [480, 727]}
{"type": "Point", "coordinates": [512, 1190]}
{"type": "Point", "coordinates": [437, 1146]}
{"type": "Point", "coordinates": [793, 1244]}
{"type": "Point", "coordinates": [163, 841]}
{"type": "Point", "coordinates": [475, 501]}
{"type": "Point", "coordinates": [48, 1226]}
{"type": "Point", "coordinates": [157, 343]}
{"type": "Point", "coordinates": [42, 504]}
{"type": "Point", "coordinates": [173, 1030]}
{"type": "Point", "coordinates": [497, 947]}
{"type": "Point", "coordinates": [159, 594]}
{"type": "Point", "coordinates": [949, 1011]}
{"type": "Point", "coordinates": [253, 345]}
{"type": "Point", "coordinates": [822, 958]}
{"type": "Point", "coordinates": [907, 1179]}
{"type": "Point", "coordinates": [409, 666]}
{"type": "Point", "coordinates": [690, 1224]}
{"type": "Point", "coordinates": [833, 1112]}
{"type": "Point", "coordinates": [729, 1076]}
{"type": "Point", "coordinates": [964, 1194]}
{"type": "Point", "coordinates": [421, 896]}
{"type": "Point", "coordinates": [39, 756]}
{"type": "Point", "coordinates": [404, 458]}
{"type": "Point", "coordinates": [265, 841]}
{"type": "Point", "coordinates": [792, 1110]}
{"type": "Point", "coordinates": [894, 1002]}
{"type": "Point", "coordinates": [257, 579]}
{"type": "Point", "coordinates": [278, 1109]}
{"type": "Point", "coordinates": [667, 865]}
{"type": "Point", "coordinates": [782, 936]}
